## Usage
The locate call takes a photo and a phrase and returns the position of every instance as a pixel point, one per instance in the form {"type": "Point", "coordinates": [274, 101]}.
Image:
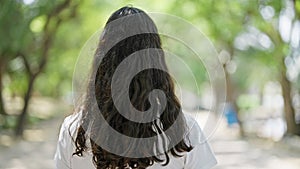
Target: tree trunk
{"type": "Point", "coordinates": [2, 108]}
{"type": "Point", "coordinates": [22, 118]}
{"type": "Point", "coordinates": [289, 111]}
{"type": "Point", "coordinates": [231, 98]}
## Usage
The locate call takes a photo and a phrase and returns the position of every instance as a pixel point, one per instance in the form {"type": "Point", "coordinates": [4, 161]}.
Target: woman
{"type": "Point", "coordinates": [131, 92]}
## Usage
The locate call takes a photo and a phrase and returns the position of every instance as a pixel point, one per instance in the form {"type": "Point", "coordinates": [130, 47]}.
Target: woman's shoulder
{"type": "Point", "coordinates": [194, 132]}
{"type": "Point", "coordinates": [72, 118]}
{"type": "Point", "coordinates": [71, 122]}
{"type": "Point", "coordinates": [201, 156]}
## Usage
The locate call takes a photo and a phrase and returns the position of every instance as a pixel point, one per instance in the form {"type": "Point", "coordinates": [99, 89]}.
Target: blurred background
{"type": "Point", "coordinates": [258, 44]}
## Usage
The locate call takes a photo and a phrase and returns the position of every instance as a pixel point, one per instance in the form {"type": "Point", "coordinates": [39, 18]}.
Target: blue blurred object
{"type": "Point", "coordinates": [230, 114]}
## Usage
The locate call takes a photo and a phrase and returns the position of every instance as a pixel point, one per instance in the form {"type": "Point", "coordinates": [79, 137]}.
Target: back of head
{"type": "Point", "coordinates": [129, 65]}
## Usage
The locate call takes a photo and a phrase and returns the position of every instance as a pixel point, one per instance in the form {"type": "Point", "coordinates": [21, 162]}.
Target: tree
{"type": "Point", "coordinates": [31, 40]}
{"type": "Point", "coordinates": [11, 35]}
{"type": "Point", "coordinates": [60, 12]}
{"type": "Point", "coordinates": [224, 21]}
{"type": "Point", "coordinates": [279, 54]}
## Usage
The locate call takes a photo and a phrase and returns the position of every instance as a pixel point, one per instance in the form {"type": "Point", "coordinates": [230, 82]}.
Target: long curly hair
{"type": "Point", "coordinates": [106, 61]}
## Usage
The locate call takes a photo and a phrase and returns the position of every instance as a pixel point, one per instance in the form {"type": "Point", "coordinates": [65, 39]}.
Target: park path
{"type": "Point", "coordinates": [36, 152]}
{"type": "Point", "coordinates": [231, 152]}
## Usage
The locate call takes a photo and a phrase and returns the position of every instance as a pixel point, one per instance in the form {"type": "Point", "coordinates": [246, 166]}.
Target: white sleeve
{"type": "Point", "coordinates": [64, 148]}
{"type": "Point", "coordinates": [201, 156]}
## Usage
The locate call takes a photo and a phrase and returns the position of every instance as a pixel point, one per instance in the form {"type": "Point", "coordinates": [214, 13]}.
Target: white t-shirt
{"type": "Point", "coordinates": [201, 156]}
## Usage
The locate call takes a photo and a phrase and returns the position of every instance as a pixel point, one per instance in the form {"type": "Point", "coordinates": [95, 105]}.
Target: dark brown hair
{"type": "Point", "coordinates": [105, 64]}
